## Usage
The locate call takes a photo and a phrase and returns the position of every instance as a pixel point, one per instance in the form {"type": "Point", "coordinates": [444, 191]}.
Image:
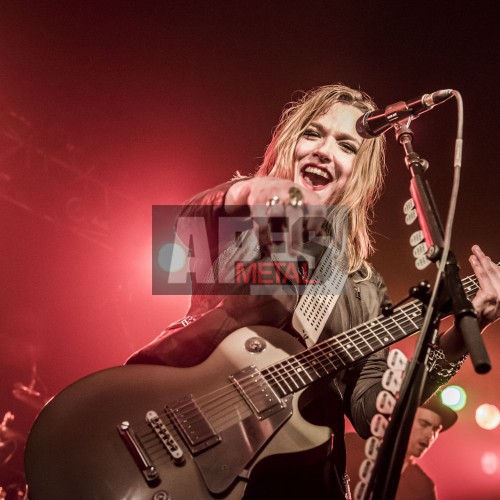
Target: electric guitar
{"type": "Point", "coordinates": [156, 432]}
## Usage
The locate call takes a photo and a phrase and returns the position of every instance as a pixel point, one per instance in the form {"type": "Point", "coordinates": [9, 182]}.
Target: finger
{"type": "Point", "coordinates": [487, 272]}
{"type": "Point", "coordinates": [259, 217]}
{"type": "Point", "coordinates": [487, 300]}
{"type": "Point", "coordinates": [295, 224]}
{"type": "Point", "coordinates": [277, 223]}
{"type": "Point", "coordinates": [314, 218]}
{"type": "Point", "coordinates": [261, 229]}
{"type": "Point", "coordinates": [492, 269]}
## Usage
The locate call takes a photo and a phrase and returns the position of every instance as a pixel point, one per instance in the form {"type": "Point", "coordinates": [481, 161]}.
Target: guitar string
{"type": "Point", "coordinates": [295, 375]}
{"type": "Point", "coordinates": [357, 338]}
{"type": "Point", "coordinates": [377, 324]}
{"type": "Point", "coordinates": [228, 395]}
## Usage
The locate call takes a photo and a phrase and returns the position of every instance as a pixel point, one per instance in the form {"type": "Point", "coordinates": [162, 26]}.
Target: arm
{"type": "Point", "coordinates": [247, 198]}
{"type": "Point", "coordinates": [487, 305]}
{"type": "Point", "coordinates": [364, 379]}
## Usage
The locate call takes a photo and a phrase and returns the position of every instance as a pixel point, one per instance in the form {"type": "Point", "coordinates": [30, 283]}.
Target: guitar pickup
{"type": "Point", "coordinates": [258, 394]}
{"type": "Point", "coordinates": [194, 427]}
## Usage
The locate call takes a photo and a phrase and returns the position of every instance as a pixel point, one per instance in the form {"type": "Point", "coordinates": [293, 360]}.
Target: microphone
{"type": "Point", "coordinates": [374, 123]}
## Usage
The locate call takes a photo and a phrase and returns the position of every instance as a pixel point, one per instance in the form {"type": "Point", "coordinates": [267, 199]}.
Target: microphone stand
{"type": "Point", "coordinates": [448, 291]}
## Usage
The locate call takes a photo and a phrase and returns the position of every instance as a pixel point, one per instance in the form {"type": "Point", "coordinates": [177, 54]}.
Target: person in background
{"type": "Point", "coordinates": [431, 418]}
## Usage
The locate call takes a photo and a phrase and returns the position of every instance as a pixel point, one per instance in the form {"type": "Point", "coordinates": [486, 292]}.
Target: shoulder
{"type": "Point", "coordinates": [418, 476]}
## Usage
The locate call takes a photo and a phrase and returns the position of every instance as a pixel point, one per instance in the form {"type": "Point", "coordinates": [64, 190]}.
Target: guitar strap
{"type": "Point", "coordinates": [320, 296]}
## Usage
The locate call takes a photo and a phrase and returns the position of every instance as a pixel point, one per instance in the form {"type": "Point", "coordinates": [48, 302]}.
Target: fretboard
{"type": "Point", "coordinates": [328, 357]}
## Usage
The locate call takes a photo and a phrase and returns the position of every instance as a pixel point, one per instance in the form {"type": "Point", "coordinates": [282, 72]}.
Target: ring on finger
{"type": "Point", "coordinates": [296, 198]}
{"type": "Point", "coordinates": [273, 201]}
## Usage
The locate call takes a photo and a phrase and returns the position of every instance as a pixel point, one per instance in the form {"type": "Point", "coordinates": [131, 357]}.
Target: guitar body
{"type": "Point", "coordinates": [76, 451]}
{"type": "Point", "coordinates": [229, 427]}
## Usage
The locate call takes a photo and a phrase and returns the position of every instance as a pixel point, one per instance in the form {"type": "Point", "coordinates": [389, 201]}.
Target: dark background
{"type": "Point", "coordinates": [110, 107]}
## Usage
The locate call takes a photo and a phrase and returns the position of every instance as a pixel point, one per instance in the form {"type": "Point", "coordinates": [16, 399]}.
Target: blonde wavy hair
{"type": "Point", "coordinates": [353, 208]}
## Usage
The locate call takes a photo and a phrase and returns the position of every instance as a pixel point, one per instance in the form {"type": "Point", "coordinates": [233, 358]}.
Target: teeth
{"type": "Point", "coordinates": [317, 171]}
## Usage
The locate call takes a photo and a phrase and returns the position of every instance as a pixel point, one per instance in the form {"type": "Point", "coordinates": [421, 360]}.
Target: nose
{"type": "Point", "coordinates": [429, 434]}
{"type": "Point", "coordinates": [324, 151]}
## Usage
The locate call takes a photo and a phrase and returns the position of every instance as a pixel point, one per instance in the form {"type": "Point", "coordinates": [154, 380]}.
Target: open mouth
{"type": "Point", "coordinates": [316, 177]}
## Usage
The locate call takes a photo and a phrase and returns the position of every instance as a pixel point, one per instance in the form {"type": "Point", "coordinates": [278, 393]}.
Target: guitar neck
{"type": "Point", "coordinates": [328, 357]}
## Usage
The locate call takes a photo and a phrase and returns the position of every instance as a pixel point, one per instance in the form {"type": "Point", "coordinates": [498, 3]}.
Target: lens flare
{"type": "Point", "coordinates": [488, 416]}
{"type": "Point", "coordinates": [454, 397]}
{"type": "Point", "coordinates": [489, 463]}
{"type": "Point", "coordinates": [172, 257]}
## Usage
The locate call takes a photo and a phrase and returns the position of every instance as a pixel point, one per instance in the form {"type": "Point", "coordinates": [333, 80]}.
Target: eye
{"type": "Point", "coordinates": [311, 133]}
{"type": "Point", "coordinates": [349, 147]}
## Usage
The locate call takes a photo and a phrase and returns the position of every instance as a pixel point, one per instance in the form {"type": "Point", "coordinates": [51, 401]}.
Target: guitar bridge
{"type": "Point", "coordinates": [139, 453]}
{"type": "Point", "coordinates": [163, 434]}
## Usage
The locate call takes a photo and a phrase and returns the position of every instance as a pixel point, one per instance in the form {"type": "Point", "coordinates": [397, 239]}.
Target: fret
{"type": "Point", "coordinates": [315, 363]}
{"type": "Point", "coordinates": [385, 339]}
{"type": "Point", "coordinates": [470, 287]}
{"type": "Point", "coordinates": [353, 342]}
{"type": "Point", "coordinates": [333, 350]}
{"type": "Point", "coordinates": [415, 326]}
{"type": "Point", "coordinates": [395, 323]}
{"type": "Point", "coordinates": [362, 348]}
{"type": "Point", "coordinates": [405, 324]}
{"type": "Point", "coordinates": [335, 353]}
{"type": "Point", "coordinates": [414, 316]}
{"type": "Point", "coordinates": [336, 339]}
{"type": "Point", "coordinates": [293, 375]}
{"type": "Point", "coordinates": [367, 327]}
{"type": "Point", "coordinates": [305, 365]}
{"type": "Point", "coordinates": [327, 355]}
{"type": "Point", "coordinates": [373, 325]}
{"type": "Point", "coordinates": [290, 377]}
{"type": "Point", "coordinates": [284, 380]}
{"type": "Point", "coordinates": [312, 372]}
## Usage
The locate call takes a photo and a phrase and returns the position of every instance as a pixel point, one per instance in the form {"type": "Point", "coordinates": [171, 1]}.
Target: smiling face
{"type": "Point", "coordinates": [425, 430]}
{"type": "Point", "coordinates": [325, 152]}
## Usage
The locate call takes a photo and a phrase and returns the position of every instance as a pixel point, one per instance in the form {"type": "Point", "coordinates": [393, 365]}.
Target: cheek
{"type": "Point", "coordinates": [348, 167]}
{"type": "Point", "coordinates": [301, 149]}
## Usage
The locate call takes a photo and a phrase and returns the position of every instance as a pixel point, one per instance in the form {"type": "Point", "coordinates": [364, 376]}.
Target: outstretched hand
{"type": "Point", "coordinates": [273, 203]}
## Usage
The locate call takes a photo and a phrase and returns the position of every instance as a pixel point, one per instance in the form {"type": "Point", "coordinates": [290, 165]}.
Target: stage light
{"type": "Point", "coordinates": [489, 463]}
{"type": "Point", "coordinates": [488, 416]}
{"type": "Point", "coordinates": [454, 397]}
